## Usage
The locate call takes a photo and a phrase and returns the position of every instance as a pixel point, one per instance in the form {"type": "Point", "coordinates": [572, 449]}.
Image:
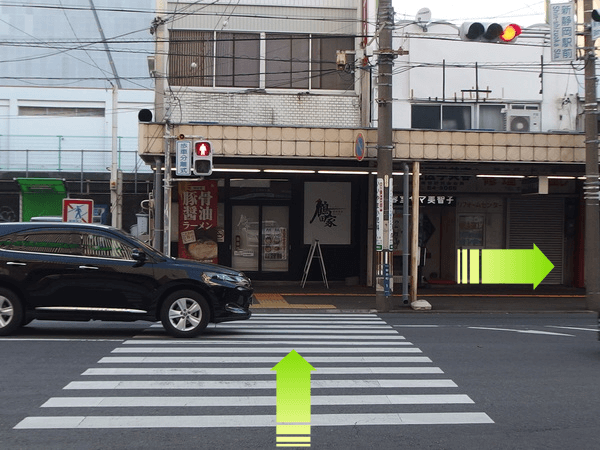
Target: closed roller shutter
{"type": "Point", "coordinates": [539, 220]}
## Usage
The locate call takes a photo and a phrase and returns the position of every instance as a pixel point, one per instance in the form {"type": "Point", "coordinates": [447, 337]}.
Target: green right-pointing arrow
{"type": "Point", "coordinates": [514, 266]}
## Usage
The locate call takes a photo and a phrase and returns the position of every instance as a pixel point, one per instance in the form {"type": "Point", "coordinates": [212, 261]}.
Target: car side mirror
{"type": "Point", "coordinates": [138, 255]}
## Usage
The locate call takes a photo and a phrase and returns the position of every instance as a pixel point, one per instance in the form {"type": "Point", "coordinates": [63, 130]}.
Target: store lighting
{"type": "Point", "coordinates": [558, 177]}
{"type": "Point", "coordinates": [288, 171]}
{"type": "Point", "coordinates": [222, 169]}
{"type": "Point", "coordinates": [343, 172]}
{"type": "Point", "coordinates": [500, 176]}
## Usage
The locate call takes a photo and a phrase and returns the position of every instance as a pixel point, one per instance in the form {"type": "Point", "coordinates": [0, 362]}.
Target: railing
{"type": "Point", "coordinates": [48, 153]}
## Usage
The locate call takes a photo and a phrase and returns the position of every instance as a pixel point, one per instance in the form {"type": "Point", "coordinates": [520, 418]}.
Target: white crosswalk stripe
{"type": "Point", "coordinates": [362, 365]}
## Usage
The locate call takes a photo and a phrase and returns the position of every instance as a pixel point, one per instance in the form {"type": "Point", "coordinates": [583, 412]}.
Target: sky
{"type": "Point", "coordinates": [521, 12]}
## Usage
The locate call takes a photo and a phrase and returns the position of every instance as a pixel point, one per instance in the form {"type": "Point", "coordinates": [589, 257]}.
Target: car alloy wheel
{"type": "Point", "coordinates": [185, 314]}
{"type": "Point", "coordinates": [11, 312]}
{"type": "Point", "coordinates": [6, 312]}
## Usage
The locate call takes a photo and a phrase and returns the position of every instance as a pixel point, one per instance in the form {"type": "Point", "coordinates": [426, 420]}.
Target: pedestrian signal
{"type": "Point", "coordinates": [202, 158]}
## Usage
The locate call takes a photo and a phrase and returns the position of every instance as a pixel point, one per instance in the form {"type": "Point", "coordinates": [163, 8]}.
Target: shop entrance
{"type": "Point", "coordinates": [260, 238]}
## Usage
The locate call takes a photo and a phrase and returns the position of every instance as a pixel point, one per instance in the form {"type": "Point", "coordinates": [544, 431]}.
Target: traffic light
{"type": "Point", "coordinates": [595, 24]}
{"type": "Point", "coordinates": [202, 158]}
{"type": "Point", "coordinates": [489, 32]}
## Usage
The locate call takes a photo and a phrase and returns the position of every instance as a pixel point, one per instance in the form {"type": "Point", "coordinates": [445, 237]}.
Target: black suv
{"type": "Point", "coordinates": [72, 271]}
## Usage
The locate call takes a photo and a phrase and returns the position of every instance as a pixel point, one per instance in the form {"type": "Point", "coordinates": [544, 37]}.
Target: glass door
{"type": "Point", "coordinates": [260, 238]}
{"type": "Point", "coordinates": [245, 220]}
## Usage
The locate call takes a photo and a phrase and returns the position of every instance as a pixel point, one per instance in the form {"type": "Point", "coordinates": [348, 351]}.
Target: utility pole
{"type": "Point", "coordinates": [160, 87]}
{"type": "Point", "coordinates": [384, 274]}
{"type": "Point", "coordinates": [591, 184]}
{"type": "Point", "coordinates": [116, 177]}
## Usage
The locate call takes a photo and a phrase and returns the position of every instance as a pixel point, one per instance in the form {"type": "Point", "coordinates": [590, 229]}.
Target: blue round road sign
{"type": "Point", "coordinates": [359, 147]}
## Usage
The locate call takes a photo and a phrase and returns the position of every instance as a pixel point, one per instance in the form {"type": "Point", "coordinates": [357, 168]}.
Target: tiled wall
{"type": "Point", "coordinates": [409, 144]}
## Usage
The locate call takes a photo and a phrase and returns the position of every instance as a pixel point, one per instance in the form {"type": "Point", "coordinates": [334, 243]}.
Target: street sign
{"type": "Point", "coordinates": [183, 158]}
{"type": "Point", "coordinates": [563, 31]}
{"type": "Point", "coordinates": [359, 147]}
{"type": "Point", "coordinates": [78, 210]}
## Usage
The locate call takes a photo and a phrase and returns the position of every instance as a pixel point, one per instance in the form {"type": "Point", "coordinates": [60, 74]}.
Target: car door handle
{"type": "Point", "coordinates": [88, 267]}
{"type": "Point", "coordinates": [14, 263]}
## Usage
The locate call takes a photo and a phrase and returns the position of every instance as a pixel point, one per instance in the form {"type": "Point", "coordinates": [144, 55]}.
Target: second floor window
{"type": "Point", "coordinates": [291, 61]}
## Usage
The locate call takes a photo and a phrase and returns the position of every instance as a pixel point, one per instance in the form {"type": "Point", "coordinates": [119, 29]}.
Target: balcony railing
{"type": "Point", "coordinates": [55, 153]}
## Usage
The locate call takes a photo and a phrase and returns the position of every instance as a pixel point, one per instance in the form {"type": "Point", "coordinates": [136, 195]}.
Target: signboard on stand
{"type": "Point", "coordinates": [327, 213]}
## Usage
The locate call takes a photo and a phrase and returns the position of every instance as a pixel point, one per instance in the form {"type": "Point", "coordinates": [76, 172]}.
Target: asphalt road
{"type": "Point", "coordinates": [456, 381]}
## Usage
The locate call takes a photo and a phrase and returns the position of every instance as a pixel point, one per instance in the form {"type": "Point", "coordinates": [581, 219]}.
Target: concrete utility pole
{"type": "Point", "coordinates": [116, 178]}
{"type": "Point", "coordinates": [591, 185]}
{"type": "Point", "coordinates": [160, 116]}
{"type": "Point", "coordinates": [384, 281]}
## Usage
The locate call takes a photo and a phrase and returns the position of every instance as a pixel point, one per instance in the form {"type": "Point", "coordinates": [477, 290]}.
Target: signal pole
{"type": "Point", "coordinates": [384, 274]}
{"type": "Point", "coordinates": [592, 182]}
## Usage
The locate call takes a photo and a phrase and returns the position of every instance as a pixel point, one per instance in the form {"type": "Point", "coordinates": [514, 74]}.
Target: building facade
{"type": "Point", "coordinates": [485, 121]}
{"type": "Point", "coordinates": [444, 83]}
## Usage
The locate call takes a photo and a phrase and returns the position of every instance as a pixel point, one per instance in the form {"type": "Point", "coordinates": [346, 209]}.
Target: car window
{"type": "Point", "coordinates": [43, 242]}
{"type": "Point", "coordinates": [102, 246]}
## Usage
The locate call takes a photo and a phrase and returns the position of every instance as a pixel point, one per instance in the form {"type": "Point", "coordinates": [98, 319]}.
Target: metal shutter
{"type": "Point", "coordinates": [539, 220]}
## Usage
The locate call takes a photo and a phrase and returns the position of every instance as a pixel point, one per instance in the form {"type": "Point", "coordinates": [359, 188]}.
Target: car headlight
{"type": "Point", "coordinates": [217, 278]}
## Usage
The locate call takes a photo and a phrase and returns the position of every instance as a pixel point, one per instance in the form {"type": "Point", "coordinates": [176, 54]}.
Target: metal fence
{"type": "Point", "coordinates": [52, 153]}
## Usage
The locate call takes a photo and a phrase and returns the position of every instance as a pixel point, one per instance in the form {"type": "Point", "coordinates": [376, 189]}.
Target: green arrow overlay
{"type": "Point", "coordinates": [293, 397]}
{"type": "Point", "coordinates": [502, 266]}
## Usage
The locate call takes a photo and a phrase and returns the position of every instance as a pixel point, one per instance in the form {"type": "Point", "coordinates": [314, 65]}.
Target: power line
{"type": "Point", "coordinates": [176, 15]}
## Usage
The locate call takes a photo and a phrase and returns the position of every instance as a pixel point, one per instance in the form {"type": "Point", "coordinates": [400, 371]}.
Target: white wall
{"type": "Point", "coordinates": [510, 71]}
{"type": "Point", "coordinates": [64, 138]}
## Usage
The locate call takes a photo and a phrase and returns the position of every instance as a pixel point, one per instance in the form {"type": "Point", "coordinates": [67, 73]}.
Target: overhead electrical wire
{"type": "Point", "coordinates": [88, 46]}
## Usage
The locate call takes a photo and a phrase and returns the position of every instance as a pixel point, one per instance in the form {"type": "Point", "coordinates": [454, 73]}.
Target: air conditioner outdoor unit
{"type": "Point", "coordinates": [525, 121]}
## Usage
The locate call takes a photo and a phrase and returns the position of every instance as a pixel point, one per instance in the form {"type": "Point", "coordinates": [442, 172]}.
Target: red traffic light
{"type": "Point", "coordinates": [510, 32]}
{"type": "Point", "coordinates": [202, 148]}
{"type": "Point", "coordinates": [489, 32]}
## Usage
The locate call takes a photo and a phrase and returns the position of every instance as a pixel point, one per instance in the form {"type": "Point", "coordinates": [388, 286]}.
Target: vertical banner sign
{"type": "Point", "coordinates": [390, 217]}
{"type": "Point", "coordinates": [183, 158]}
{"type": "Point", "coordinates": [379, 217]}
{"type": "Point", "coordinates": [198, 203]}
{"type": "Point", "coordinates": [563, 31]}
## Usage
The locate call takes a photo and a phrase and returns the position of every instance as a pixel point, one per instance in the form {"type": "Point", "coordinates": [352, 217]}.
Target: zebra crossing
{"type": "Point", "coordinates": [366, 374]}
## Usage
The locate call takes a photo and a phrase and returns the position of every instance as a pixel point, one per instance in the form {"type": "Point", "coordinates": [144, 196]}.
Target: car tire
{"type": "Point", "coordinates": [185, 314]}
{"type": "Point", "coordinates": [11, 312]}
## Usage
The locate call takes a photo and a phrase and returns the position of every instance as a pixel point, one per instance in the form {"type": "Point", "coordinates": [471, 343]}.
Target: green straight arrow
{"type": "Point", "coordinates": [293, 400]}
{"type": "Point", "coordinates": [503, 266]}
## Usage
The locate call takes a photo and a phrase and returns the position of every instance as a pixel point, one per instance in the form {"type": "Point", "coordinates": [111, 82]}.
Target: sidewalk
{"type": "Point", "coordinates": [287, 296]}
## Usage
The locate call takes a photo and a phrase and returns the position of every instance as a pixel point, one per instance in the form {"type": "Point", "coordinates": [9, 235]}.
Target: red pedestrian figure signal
{"type": "Point", "coordinates": [202, 158]}
{"type": "Point", "coordinates": [203, 148]}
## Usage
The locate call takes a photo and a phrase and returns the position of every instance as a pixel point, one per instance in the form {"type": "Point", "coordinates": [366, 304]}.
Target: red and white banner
{"type": "Point", "coordinates": [198, 203]}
